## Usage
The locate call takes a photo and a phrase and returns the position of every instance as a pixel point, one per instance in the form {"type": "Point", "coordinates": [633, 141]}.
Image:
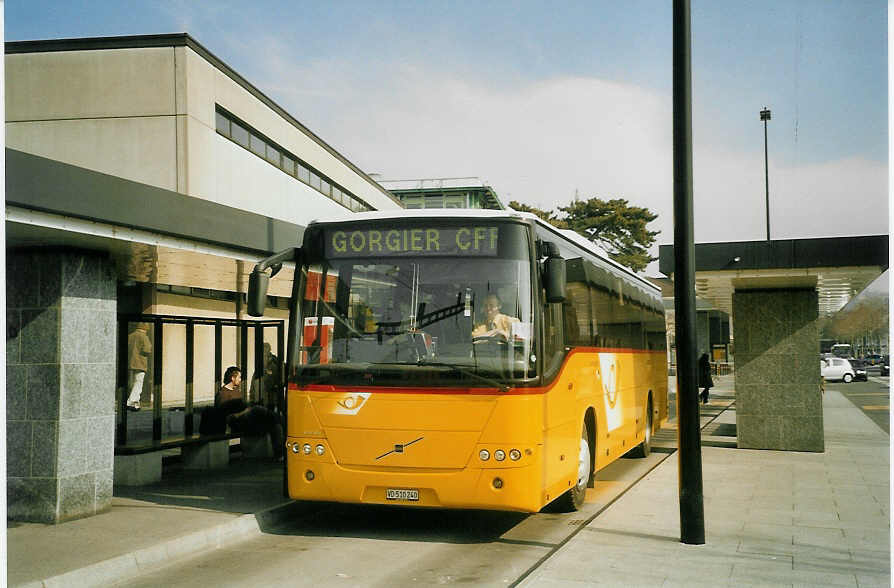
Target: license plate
{"type": "Point", "coordinates": [401, 494]}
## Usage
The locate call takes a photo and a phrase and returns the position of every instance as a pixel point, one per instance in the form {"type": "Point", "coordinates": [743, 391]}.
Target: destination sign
{"type": "Point", "coordinates": [473, 241]}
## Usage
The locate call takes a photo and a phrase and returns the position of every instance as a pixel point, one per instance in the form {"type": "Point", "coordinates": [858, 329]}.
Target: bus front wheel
{"type": "Point", "coordinates": [573, 499]}
{"type": "Point", "coordinates": [645, 448]}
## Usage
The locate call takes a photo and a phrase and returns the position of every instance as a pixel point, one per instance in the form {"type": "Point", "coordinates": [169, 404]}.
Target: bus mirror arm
{"type": "Point", "coordinates": [259, 279]}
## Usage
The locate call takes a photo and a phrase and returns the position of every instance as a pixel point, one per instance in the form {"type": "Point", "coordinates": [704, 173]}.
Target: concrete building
{"type": "Point", "coordinates": [444, 193]}
{"type": "Point", "coordinates": [144, 178]}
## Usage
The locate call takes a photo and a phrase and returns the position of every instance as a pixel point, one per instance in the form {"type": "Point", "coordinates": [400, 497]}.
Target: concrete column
{"type": "Point", "coordinates": [778, 399]}
{"type": "Point", "coordinates": [60, 389]}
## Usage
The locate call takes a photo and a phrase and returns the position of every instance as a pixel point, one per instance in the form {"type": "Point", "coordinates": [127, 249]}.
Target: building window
{"type": "Point", "coordinates": [434, 201]}
{"type": "Point", "coordinates": [257, 145]}
{"type": "Point", "coordinates": [240, 135]}
{"type": "Point", "coordinates": [273, 155]}
{"type": "Point", "coordinates": [413, 202]}
{"type": "Point", "coordinates": [455, 201]}
{"type": "Point", "coordinates": [303, 174]}
{"type": "Point", "coordinates": [228, 126]}
{"type": "Point", "coordinates": [288, 165]}
{"type": "Point", "coordinates": [223, 124]}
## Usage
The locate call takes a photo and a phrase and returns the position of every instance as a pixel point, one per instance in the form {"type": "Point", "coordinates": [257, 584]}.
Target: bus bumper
{"type": "Point", "coordinates": [492, 488]}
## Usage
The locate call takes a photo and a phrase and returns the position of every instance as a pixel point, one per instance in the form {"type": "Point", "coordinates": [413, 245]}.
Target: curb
{"type": "Point", "coordinates": [127, 566]}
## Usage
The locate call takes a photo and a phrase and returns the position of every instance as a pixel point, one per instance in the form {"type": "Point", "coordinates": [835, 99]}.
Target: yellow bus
{"type": "Point", "coordinates": [463, 359]}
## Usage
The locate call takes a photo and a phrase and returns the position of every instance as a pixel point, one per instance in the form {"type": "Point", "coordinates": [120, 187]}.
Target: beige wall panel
{"type": "Point", "coordinates": [177, 267]}
{"type": "Point", "coordinates": [199, 92]}
{"type": "Point", "coordinates": [138, 149]}
{"type": "Point", "coordinates": [243, 180]}
{"type": "Point", "coordinates": [182, 154]}
{"type": "Point", "coordinates": [90, 84]}
{"type": "Point", "coordinates": [181, 80]}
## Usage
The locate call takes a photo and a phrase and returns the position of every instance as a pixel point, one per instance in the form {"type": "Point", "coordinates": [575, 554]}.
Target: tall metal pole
{"type": "Point", "coordinates": [692, 509]}
{"type": "Point", "coordinates": [765, 116]}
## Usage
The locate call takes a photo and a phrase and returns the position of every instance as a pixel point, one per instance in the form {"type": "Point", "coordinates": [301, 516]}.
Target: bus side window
{"type": "Point", "coordinates": [553, 337]}
{"type": "Point", "coordinates": [577, 314]}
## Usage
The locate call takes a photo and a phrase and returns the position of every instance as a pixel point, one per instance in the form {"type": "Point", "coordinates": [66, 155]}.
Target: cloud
{"type": "Point", "coordinates": [540, 142]}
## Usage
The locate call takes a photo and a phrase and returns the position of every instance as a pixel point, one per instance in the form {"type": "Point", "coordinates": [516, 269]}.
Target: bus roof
{"type": "Point", "coordinates": [571, 238]}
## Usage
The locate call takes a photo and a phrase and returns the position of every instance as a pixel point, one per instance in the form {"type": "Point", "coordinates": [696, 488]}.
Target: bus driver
{"type": "Point", "coordinates": [496, 324]}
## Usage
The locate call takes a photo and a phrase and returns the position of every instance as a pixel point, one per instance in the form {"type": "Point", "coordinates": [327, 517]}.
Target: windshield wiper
{"type": "Point", "coordinates": [466, 372]}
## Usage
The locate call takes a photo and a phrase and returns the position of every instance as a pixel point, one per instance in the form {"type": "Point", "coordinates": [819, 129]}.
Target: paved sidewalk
{"type": "Point", "coordinates": [186, 513]}
{"type": "Point", "coordinates": [772, 518]}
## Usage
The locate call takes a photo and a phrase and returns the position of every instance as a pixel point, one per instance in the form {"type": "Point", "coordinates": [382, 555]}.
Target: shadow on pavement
{"type": "Point", "coordinates": [390, 523]}
{"type": "Point", "coordinates": [245, 486]}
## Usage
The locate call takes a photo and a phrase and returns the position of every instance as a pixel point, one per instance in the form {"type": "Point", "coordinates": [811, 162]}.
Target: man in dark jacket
{"type": "Point", "coordinates": [704, 377]}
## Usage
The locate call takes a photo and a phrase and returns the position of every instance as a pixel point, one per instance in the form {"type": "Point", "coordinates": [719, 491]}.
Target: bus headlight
{"type": "Point", "coordinates": [320, 450]}
{"type": "Point", "coordinates": [296, 448]}
{"type": "Point", "coordinates": [514, 454]}
{"type": "Point", "coordinates": [484, 455]}
{"type": "Point", "coordinates": [499, 455]}
{"type": "Point", "coordinates": [307, 448]}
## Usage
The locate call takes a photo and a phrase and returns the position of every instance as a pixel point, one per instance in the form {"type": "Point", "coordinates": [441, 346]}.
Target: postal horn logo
{"type": "Point", "coordinates": [399, 447]}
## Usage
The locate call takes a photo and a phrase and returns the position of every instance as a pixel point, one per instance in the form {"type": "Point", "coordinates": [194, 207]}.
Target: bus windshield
{"type": "Point", "coordinates": [435, 305]}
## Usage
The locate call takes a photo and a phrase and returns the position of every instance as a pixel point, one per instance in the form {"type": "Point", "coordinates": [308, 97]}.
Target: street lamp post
{"type": "Point", "coordinates": [765, 116]}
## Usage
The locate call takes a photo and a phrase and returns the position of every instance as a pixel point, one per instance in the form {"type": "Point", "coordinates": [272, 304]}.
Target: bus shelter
{"type": "Point", "coordinates": [774, 292]}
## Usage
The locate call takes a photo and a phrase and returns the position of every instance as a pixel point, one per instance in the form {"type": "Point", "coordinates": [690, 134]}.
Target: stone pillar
{"type": "Point", "coordinates": [60, 389]}
{"type": "Point", "coordinates": [778, 399]}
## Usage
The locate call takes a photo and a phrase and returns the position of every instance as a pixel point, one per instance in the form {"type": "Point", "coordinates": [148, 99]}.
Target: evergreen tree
{"type": "Point", "coordinates": [615, 225]}
{"type": "Point", "coordinates": [545, 215]}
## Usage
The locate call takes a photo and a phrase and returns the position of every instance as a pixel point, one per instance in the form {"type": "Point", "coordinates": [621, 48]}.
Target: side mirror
{"type": "Point", "coordinates": [259, 280]}
{"type": "Point", "coordinates": [257, 292]}
{"type": "Point", "coordinates": [554, 279]}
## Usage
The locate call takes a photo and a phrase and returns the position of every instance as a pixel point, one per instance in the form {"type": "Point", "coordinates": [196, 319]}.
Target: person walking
{"type": "Point", "coordinates": [704, 377]}
{"type": "Point", "coordinates": [139, 348]}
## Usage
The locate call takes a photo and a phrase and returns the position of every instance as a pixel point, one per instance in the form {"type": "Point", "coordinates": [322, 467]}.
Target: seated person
{"type": "Point", "coordinates": [495, 323]}
{"type": "Point", "coordinates": [254, 420]}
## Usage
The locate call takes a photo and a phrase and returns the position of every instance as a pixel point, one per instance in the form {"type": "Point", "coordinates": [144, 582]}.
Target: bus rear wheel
{"type": "Point", "coordinates": [573, 499]}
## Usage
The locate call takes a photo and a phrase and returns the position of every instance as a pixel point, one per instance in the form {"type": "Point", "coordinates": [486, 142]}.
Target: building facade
{"type": "Point", "coordinates": [144, 179]}
{"type": "Point", "coordinates": [444, 193]}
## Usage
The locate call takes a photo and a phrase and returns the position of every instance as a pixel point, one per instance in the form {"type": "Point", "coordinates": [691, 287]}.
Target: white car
{"type": "Point", "coordinates": [835, 368]}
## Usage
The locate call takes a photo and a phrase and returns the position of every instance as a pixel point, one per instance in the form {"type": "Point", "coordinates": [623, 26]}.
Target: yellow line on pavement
{"type": "Point", "coordinates": [875, 407]}
{"type": "Point", "coordinates": [866, 393]}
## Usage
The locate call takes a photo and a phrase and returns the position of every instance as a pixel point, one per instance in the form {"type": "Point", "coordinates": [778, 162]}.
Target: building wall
{"type": "Point", "coordinates": [148, 115]}
{"type": "Point", "coordinates": [778, 399]}
{"type": "Point", "coordinates": [108, 111]}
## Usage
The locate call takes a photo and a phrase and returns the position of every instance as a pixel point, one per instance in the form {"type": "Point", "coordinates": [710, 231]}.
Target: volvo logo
{"type": "Point", "coordinates": [399, 447]}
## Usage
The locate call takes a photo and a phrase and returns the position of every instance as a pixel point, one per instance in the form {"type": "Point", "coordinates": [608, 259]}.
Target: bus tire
{"type": "Point", "coordinates": [573, 499]}
{"type": "Point", "coordinates": [645, 448]}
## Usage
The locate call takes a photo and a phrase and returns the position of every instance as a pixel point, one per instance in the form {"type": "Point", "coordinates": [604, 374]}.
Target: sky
{"type": "Point", "coordinates": [549, 101]}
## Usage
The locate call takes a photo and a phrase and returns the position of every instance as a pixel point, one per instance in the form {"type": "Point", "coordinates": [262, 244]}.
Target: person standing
{"type": "Point", "coordinates": [704, 376]}
{"type": "Point", "coordinates": [139, 348]}
{"type": "Point", "coordinates": [266, 390]}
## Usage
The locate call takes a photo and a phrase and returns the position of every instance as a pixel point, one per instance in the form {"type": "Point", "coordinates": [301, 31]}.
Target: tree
{"type": "Point", "coordinates": [545, 215]}
{"type": "Point", "coordinates": [615, 225]}
{"type": "Point", "coordinates": [863, 322]}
